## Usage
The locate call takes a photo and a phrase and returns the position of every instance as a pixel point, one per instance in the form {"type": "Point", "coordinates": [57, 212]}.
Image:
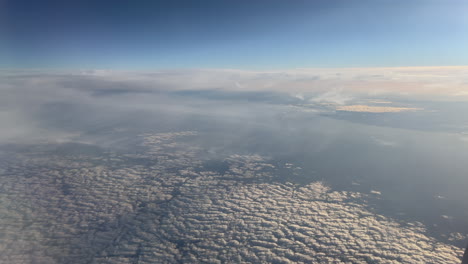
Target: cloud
{"type": "Point", "coordinates": [384, 142]}
{"type": "Point", "coordinates": [176, 210]}
{"type": "Point", "coordinates": [56, 103]}
{"type": "Point", "coordinates": [299, 96]}
{"type": "Point", "coordinates": [375, 109]}
{"type": "Point", "coordinates": [335, 96]}
{"type": "Point", "coordinates": [198, 195]}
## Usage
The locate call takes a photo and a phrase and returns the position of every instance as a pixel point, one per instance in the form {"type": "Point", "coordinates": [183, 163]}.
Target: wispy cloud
{"type": "Point", "coordinates": [375, 109]}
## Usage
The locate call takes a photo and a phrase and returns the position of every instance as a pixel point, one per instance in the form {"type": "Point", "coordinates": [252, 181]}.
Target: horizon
{"type": "Point", "coordinates": [233, 131]}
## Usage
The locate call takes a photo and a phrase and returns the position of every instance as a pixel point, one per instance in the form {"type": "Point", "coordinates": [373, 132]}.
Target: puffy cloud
{"type": "Point", "coordinates": [162, 204]}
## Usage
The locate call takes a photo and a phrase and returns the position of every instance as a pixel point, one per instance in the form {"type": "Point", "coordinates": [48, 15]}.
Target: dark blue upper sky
{"type": "Point", "coordinates": [255, 34]}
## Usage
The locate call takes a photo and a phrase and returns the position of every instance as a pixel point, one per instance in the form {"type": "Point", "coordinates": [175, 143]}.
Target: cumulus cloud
{"type": "Point", "coordinates": [177, 210]}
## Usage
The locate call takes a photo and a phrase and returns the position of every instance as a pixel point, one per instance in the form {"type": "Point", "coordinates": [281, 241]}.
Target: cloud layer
{"type": "Point", "coordinates": [31, 100]}
{"type": "Point", "coordinates": [71, 209]}
{"type": "Point", "coordinates": [173, 166]}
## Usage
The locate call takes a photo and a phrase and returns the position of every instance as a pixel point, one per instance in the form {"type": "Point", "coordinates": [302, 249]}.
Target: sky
{"type": "Point", "coordinates": [256, 34]}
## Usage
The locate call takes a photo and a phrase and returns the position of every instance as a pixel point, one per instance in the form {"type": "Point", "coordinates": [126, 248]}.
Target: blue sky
{"type": "Point", "coordinates": [266, 34]}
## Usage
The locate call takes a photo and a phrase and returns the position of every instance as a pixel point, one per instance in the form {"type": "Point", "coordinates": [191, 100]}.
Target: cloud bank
{"type": "Point", "coordinates": [31, 101]}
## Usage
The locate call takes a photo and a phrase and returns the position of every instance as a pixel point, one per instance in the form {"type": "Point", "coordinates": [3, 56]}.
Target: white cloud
{"type": "Point", "coordinates": [153, 212]}
{"type": "Point", "coordinates": [162, 203]}
{"type": "Point", "coordinates": [375, 109]}
{"type": "Point", "coordinates": [336, 96]}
